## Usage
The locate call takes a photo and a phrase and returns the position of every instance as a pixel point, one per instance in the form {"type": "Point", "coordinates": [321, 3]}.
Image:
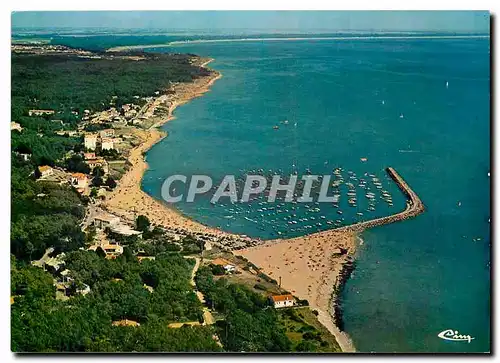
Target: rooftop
{"type": "Point", "coordinates": [44, 168]}
{"type": "Point", "coordinates": [125, 322]}
{"type": "Point", "coordinates": [221, 262]}
{"type": "Point", "coordinates": [278, 298]}
{"type": "Point", "coordinates": [79, 176]}
{"type": "Point", "coordinates": [106, 217]}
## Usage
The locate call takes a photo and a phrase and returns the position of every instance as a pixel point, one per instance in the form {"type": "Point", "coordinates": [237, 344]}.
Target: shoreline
{"type": "Point", "coordinates": [129, 200]}
{"type": "Point", "coordinates": [322, 268]}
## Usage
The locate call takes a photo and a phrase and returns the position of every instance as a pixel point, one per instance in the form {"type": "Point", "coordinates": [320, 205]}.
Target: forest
{"type": "Point", "coordinates": [48, 215]}
{"type": "Point", "coordinates": [66, 83]}
{"type": "Point", "coordinates": [40, 323]}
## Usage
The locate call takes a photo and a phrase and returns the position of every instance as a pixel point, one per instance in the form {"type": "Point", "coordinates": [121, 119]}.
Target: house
{"type": "Point", "coordinates": [45, 171]}
{"type": "Point", "coordinates": [124, 230]}
{"type": "Point", "coordinates": [84, 290]}
{"type": "Point", "coordinates": [90, 141]}
{"type": "Point", "coordinates": [112, 250]}
{"type": "Point", "coordinates": [180, 325]}
{"type": "Point", "coordinates": [67, 132]}
{"type": "Point", "coordinates": [282, 301]}
{"type": "Point", "coordinates": [107, 143]}
{"type": "Point", "coordinates": [107, 133]}
{"type": "Point", "coordinates": [125, 322]}
{"type": "Point", "coordinates": [25, 157]}
{"type": "Point", "coordinates": [150, 258]}
{"type": "Point", "coordinates": [15, 126]}
{"type": "Point", "coordinates": [220, 261]}
{"type": "Point", "coordinates": [228, 267]}
{"type": "Point", "coordinates": [105, 220]}
{"type": "Point", "coordinates": [47, 262]}
{"type": "Point", "coordinates": [130, 114]}
{"type": "Point", "coordinates": [79, 181]}
{"type": "Point", "coordinates": [88, 156]}
{"type": "Point", "coordinates": [40, 112]}
{"type": "Point", "coordinates": [92, 163]}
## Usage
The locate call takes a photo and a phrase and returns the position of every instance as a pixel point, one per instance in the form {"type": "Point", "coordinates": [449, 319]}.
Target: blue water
{"type": "Point", "coordinates": [384, 100]}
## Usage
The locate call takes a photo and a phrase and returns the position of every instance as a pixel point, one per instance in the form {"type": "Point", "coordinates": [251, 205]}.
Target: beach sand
{"type": "Point", "coordinates": [128, 200]}
{"type": "Point", "coordinates": [305, 264]}
{"type": "Point", "coordinates": [309, 269]}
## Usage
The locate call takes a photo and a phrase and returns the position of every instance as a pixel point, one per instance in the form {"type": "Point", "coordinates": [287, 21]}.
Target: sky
{"type": "Point", "coordinates": [271, 21]}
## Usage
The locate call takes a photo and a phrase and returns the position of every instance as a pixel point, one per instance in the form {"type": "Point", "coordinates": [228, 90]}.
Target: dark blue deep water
{"type": "Point", "coordinates": [420, 106]}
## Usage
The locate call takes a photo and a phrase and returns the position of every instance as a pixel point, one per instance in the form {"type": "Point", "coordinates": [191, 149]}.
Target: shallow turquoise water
{"type": "Point", "coordinates": [413, 279]}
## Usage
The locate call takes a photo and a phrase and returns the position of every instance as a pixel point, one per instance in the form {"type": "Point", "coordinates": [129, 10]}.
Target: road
{"type": "Point", "coordinates": [208, 318]}
{"type": "Point", "coordinates": [90, 214]}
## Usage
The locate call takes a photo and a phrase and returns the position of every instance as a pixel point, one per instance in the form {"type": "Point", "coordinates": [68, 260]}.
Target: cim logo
{"type": "Point", "coordinates": [453, 335]}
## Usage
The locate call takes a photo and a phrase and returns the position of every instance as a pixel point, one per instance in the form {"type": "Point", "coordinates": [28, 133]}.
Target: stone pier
{"type": "Point", "coordinates": [414, 207]}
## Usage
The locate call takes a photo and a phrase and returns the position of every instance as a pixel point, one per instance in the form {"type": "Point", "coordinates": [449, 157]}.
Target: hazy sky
{"type": "Point", "coordinates": [300, 21]}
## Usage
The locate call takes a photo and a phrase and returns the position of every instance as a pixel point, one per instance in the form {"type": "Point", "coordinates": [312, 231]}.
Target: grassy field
{"type": "Point", "coordinates": [305, 331]}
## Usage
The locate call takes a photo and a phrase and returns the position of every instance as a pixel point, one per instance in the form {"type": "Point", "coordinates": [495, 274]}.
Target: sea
{"type": "Point", "coordinates": [349, 108]}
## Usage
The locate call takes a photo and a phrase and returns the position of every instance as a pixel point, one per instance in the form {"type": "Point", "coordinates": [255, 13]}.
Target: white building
{"type": "Point", "coordinates": [40, 112]}
{"type": "Point", "coordinates": [90, 141]}
{"type": "Point", "coordinates": [282, 301]}
{"type": "Point", "coordinates": [105, 220]}
{"type": "Point", "coordinates": [15, 126]}
{"type": "Point", "coordinates": [79, 181]}
{"type": "Point", "coordinates": [107, 144]}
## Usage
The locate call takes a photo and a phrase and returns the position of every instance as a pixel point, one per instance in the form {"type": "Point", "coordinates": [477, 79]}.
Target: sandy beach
{"type": "Point", "coordinates": [306, 264]}
{"type": "Point", "coordinates": [310, 269]}
{"type": "Point", "coordinates": [128, 200]}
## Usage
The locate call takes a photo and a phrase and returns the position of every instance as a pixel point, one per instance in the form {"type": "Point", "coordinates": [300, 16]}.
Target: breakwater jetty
{"type": "Point", "coordinates": [414, 207]}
